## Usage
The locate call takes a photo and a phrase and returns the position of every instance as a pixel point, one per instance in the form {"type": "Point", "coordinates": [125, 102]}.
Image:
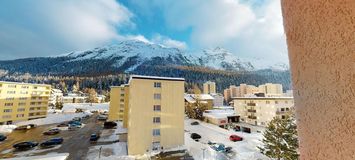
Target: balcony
{"type": "Point", "coordinates": [251, 104]}
{"type": "Point", "coordinates": [252, 117]}
{"type": "Point", "coordinates": [252, 110]}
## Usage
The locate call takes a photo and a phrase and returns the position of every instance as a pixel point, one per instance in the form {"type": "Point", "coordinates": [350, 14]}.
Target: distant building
{"type": "Point", "coordinates": [206, 99]}
{"type": "Point", "coordinates": [271, 89]}
{"type": "Point", "coordinates": [209, 87]}
{"type": "Point", "coordinates": [75, 98]}
{"type": "Point", "coordinates": [56, 96]}
{"type": "Point", "coordinates": [261, 110]}
{"type": "Point", "coordinates": [220, 117]}
{"type": "Point", "coordinates": [23, 101]}
{"type": "Point", "coordinates": [217, 100]}
{"type": "Point", "coordinates": [227, 95]}
{"type": "Point", "coordinates": [153, 112]}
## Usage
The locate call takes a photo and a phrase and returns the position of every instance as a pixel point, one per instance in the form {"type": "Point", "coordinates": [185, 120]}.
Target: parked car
{"type": "Point", "coordinates": [237, 128]}
{"type": "Point", "coordinates": [77, 119]}
{"type": "Point", "coordinates": [219, 147]}
{"type": "Point", "coordinates": [235, 138]}
{"type": "Point", "coordinates": [74, 123]}
{"type": "Point", "coordinates": [102, 118]}
{"type": "Point", "coordinates": [52, 131]}
{"type": "Point", "coordinates": [63, 125]}
{"type": "Point", "coordinates": [195, 123]}
{"type": "Point", "coordinates": [94, 137]}
{"type": "Point", "coordinates": [25, 145]}
{"type": "Point", "coordinates": [86, 116]}
{"type": "Point", "coordinates": [32, 125]}
{"type": "Point", "coordinates": [24, 127]}
{"type": "Point", "coordinates": [73, 127]}
{"type": "Point", "coordinates": [2, 137]}
{"type": "Point", "coordinates": [110, 124]}
{"type": "Point", "coordinates": [195, 136]}
{"type": "Point", "coordinates": [52, 142]}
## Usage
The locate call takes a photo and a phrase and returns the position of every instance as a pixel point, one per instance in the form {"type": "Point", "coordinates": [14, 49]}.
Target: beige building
{"type": "Point", "coordinates": [271, 89]}
{"type": "Point", "coordinates": [206, 99]}
{"type": "Point", "coordinates": [23, 101]}
{"type": "Point", "coordinates": [261, 110]}
{"type": "Point", "coordinates": [119, 100]}
{"type": "Point", "coordinates": [153, 112]}
{"type": "Point", "coordinates": [209, 87]}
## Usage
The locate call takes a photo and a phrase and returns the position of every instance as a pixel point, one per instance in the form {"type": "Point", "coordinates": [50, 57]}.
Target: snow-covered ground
{"type": "Point", "coordinates": [245, 150]}
{"type": "Point", "coordinates": [71, 107]}
{"type": "Point", "coordinates": [6, 129]}
{"type": "Point", "coordinates": [116, 150]}
{"type": "Point", "coordinates": [53, 118]}
{"type": "Point", "coordinates": [50, 156]}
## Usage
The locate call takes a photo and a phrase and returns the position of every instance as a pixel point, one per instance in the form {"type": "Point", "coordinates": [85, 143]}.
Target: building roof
{"type": "Point", "coordinates": [22, 83]}
{"type": "Point", "coordinates": [191, 98]}
{"type": "Point", "coordinates": [218, 113]}
{"type": "Point", "coordinates": [260, 98]}
{"type": "Point", "coordinates": [156, 78]}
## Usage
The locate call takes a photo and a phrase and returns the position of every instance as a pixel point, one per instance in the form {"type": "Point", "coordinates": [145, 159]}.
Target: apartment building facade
{"type": "Point", "coordinates": [261, 110]}
{"type": "Point", "coordinates": [23, 101]}
{"type": "Point", "coordinates": [153, 112]}
{"type": "Point", "coordinates": [209, 87]}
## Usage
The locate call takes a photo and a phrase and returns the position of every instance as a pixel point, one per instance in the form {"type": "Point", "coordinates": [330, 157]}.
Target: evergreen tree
{"type": "Point", "coordinates": [280, 139]}
{"type": "Point", "coordinates": [58, 105]}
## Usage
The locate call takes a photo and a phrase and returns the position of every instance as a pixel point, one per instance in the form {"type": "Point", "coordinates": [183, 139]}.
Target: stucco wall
{"type": "Point", "coordinates": [321, 46]}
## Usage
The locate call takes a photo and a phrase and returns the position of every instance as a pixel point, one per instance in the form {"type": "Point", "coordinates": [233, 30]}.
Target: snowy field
{"type": "Point", "coordinates": [53, 118]}
{"type": "Point", "coordinates": [245, 150]}
{"type": "Point", "coordinates": [50, 156]}
{"type": "Point", "coordinates": [71, 107]}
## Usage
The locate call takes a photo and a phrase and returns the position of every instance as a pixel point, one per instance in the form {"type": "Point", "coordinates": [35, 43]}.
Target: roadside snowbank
{"type": "Point", "coordinates": [50, 156]}
{"type": "Point", "coordinates": [71, 107]}
{"type": "Point", "coordinates": [6, 129]}
{"type": "Point", "coordinates": [53, 118]}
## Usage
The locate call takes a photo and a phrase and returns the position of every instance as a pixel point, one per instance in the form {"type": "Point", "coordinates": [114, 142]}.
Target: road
{"type": "Point", "coordinates": [76, 143]}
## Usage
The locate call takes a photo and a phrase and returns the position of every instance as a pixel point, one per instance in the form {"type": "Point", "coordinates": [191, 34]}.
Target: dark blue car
{"type": "Point", "coordinates": [52, 142]}
{"type": "Point", "coordinates": [25, 145]}
{"type": "Point", "coordinates": [74, 123]}
{"type": "Point", "coordinates": [94, 137]}
{"type": "Point", "coordinates": [2, 137]}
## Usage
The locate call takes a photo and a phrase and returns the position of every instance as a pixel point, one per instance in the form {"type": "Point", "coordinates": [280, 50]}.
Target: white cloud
{"type": "Point", "coordinates": [60, 26]}
{"type": "Point", "coordinates": [168, 42]}
{"type": "Point", "coordinates": [247, 30]}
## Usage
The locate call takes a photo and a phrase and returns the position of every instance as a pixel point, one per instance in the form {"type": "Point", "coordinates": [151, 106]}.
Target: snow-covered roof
{"type": "Point", "coordinates": [191, 98]}
{"type": "Point", "coordinates": [218, 113]}
{"type": "Point", "coordinates": [156, 77]}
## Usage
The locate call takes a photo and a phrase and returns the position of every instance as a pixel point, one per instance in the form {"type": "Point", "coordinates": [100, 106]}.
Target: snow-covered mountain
{"type": "Point", "coordinates": [143, 52]}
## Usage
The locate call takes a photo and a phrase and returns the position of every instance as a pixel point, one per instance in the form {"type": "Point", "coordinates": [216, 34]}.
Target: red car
{"type": "Point", "coordinates": [235, 138]}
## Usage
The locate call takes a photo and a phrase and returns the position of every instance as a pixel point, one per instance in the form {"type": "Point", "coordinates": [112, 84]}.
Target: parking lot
{"type": "Point", "coordinates": [76, 142]}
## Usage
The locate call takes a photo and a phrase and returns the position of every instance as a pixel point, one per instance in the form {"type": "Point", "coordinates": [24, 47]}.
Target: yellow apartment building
{"type": "Point", "coordinates": [118, 103]}
{"type": "Point", "coordinates": [209, 87]}
{"type": "Point", "coordinates": [153, 111]}
{"type": "Point", "coordinates": [261, 110]}
{"type": "Point", "coordinates": [23, 101]}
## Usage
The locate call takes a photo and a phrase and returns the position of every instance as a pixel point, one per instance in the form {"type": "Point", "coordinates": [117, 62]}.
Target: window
{"type": "Point", "coordinates": [157, 96]}
{"type": "Point", "coordinates": [22, 104]}
{"type": "Point", "coordinates": [33, 103]}
{"type": "Point", "coordinates": [282, 109]}
{"type": "Point", "coordinates": [7, 110]}
{"type": "Point", "coordinates": [276, 102]}
{"type": "Point", "coordinates": [156, 132]}
{"type": "Point", "coordinates": [156, 119]}
{"type": "Point", "coordinates": [24, 87]}
{"type": "Point", "coordinates": [283, 117]}
{"type": "Point", "coordinates": [34, 87]}
{"type": "Point", "coordinates": [6, 116]}
{"type": "Point", "coordinates": [11, 86]}
{"type": "Point", "coordinates": [23, 98]}
{"type": "Point", "coordinates": [122, 94]}
{"type": "Point", "coordinates": [20, 115]}
{"type": "Point", "coordinates": [31, 109]}
{"type": "Point", "coordinates": [121, 100]}
{"type": "Point", "coordinates": [286, 102]}
{"type": "Point", "coordinates": [23, 92]}
{"type": "Point", "coordinates": [11, 92]}
{"type": "Point", "coordinates": [9, 104]}
{"type": "Point", "coordinates": [20, 109]}
{"type": "Point", "coordinates": [157, 85]}
{"type": "Point", "coordinates": [9, 98]}
{"type": "Point", "coordinates": [287, 109]}
{"type": "Point", "coordinates": [157, 108]}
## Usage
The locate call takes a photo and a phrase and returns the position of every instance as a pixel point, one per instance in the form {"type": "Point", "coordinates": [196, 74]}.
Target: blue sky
{"type": "Point", "coordinates": [250, 29]}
